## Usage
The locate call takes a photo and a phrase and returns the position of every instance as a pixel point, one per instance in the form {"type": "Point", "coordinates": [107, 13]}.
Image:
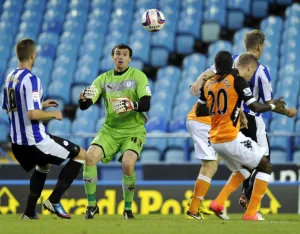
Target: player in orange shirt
{"type": "Point", "coordinates": [223, 95]}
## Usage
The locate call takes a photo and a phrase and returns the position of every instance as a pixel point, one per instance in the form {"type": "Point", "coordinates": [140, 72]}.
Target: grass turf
{"type": "Point", "coordinates": [164, 224]}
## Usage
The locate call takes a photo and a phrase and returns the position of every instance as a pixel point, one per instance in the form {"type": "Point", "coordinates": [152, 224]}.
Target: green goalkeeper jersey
{"type": "Point", "coordinates": [132, 84]}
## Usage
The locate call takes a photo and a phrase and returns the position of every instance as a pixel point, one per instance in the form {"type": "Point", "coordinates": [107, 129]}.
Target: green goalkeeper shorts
{"type": "Point", "coordinates": [113, 140]}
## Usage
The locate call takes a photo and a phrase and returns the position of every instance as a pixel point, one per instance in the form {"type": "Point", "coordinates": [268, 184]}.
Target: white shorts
{"type": "Point", "coordinates": [242, 151]}
{"type": "Point", "coordinates": [261, 134]}
{"type": "Point", "coordinates": [200, 134]}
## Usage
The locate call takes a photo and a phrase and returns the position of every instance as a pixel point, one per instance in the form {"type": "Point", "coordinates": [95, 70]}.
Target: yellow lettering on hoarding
{"type": "Point", "coordinates": [169, 205]}
{"type": "Point", "coordinates": [151, 201]}
{"type": "Point", "coordinates": [274, 204]}
{"type": "Point", "coordinates": [80, 206]}
{"type": "Point", "coordinates": [120, 208]}
{"type": "Point", "coordinates": [12, 202]}
{"type": "Point", "coordinates": [108, 203]}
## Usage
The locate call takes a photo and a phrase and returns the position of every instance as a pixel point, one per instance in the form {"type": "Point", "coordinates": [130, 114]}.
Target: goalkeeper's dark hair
{"type": "Point", "coordinates": [223, 62]}
{"type": "Point", "coordinates": [24, 49]}
{"type": "Point", "coordinates": [122, 46]}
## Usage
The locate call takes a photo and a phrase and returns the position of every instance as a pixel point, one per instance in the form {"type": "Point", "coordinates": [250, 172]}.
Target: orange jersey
{"type": "Point", "coordinates": [223, 98]}
{"type": "Point", "coordinates": [203, 119]}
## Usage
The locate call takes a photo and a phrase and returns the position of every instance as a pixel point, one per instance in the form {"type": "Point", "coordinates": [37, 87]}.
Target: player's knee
{"type": "Point", "coordinates": [44, 168]}
{"type": "Point", "coordinates": [265, 166]}
{"type": "Point", "coordinates": [93, 156]}
{"type": "Point", "coordinates": [81, 155]}
{"type": "Point", "coordinates": [209, 168]}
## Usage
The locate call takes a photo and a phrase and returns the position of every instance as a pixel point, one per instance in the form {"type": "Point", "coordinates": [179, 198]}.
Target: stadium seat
{"type": "Point", "coordinates": [136, 63]}
{"type": "Point", "coordinates": [76, 90]}
{"type": "Point", "coordinates": [83, 125]}
{"type": "Point", "coordinates": [195, 59]}
{"type": "Point", "coordinates": [92, 113]}
{"type": "Point", "coordinates": [185, 44]}
{"type": "Point", "coordinates": [70, 38]}
{"type": "Point", "coordinates": [4, 129]}
{"type": "Point", "coordinates": [239, 5]}
{"type": "Point", "coordinates": [215, 47]}
{"type": "Point", "coordinates": [159, 110]}
{"type": "Point", "coordinates": [59, 128]}
{"type": "Point", "coordinates": [210, 31]}
{"type": "Point", "coordinates": [169, 71]}
{"type": "Point", "coordinates": [150, 156]}
{"type": "Point", "coordinates": [159, 57]}
{"type": "Point", "coordinates": [278, 156]}
{"type": "Point", "coordinates": [296, 157]}
{"type": "Point", "coordinates": [164, 39]}
{"type": "Point", "coordinates": [162, 97]}
{"type": "Point", "coordinates": [46, 51]}
{"type": "Point", "coordinates": [156, 123]}
{"type": "Point", "coordinates": [99, 123]}
{"type": "Point", "coordinates": [174, 156]}
{"type": "Point", "coordinates": [284, 2]}
{"type": "Point", "coordinates": [59, 89]}
{"type": "Point", "coordinates": [259, 8]}
{"type": "Point", "coordinates": [215, 13]}
{"type": "Point", "coordinates": [235, 20]}
{"type": "Point", "coordinates": [181, 110]}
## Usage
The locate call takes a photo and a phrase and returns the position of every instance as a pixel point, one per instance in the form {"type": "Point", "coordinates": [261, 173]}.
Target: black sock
{"type": "Point", "coordinates": [37, 182]}
{"type": "Point", "coordinates": [65, 179]}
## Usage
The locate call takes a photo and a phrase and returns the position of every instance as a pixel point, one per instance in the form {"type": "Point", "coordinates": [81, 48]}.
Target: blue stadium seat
{"type": "Point", "coordinates": [85, 75]}
{"type": "Point", "coordinates": [13, 5]}
{"type": "Point", "coordinates": [150, 156]}
{"type": "Point", "coordinates": [94, 37]}
{"type": "Point", "coordinates": [274, 22]}
{"type": "Point", "coordinates": [46, 51]}
{"type": "Point", "coordinates": [161, 111]}
{"type": "Point", "coordinates": [185, 44]}
{"type": "Point", "coordinates": [195, 59]}
{"type": "Point", "coordinates": [174, 156]}
{"type": "Point", "coordinates": [215, 47]}
{"type": "Point", "coordinates": [42, 74]}
{"type": "Point", "coordinates": [4, 129]}
{"type": "Point", "coordinates": [117, 37]}
{"type": "Point", "coordinates": [278, 156]}
{"type": "Point", "coordinates": [99, 124]}
{"type": "Point", "coordinates": [190, 25]}
{"type": "Point", "coordinates": [60, 90]}
{"type": "Point", "coordinates": [235, 20]}
{"type": "Point", "coordinates": [48, 39]}
{"type": "Point", "coordinates": [282, 124]}
{"type": "Point", "coordinates": [148, 4]}
{"type": "Point", "coordinates": [53, 15]}
{"type": "Point", "coordinates": [96, 26]}
{"type": "Point", "coordinates": [81, 141]}
{"type": "Point", "coordinates": [78, 5]}
{"type": "Point", "coordinates": [177, 125]}
{"type": "Point", "coordinates": [166, 85]}
{"type": "Point", "coordinates": [159, 57]}
{"type": "Point", "coordinates": [140, 51]}
{"type": "Point", "coordinates": [106, 64]}
{"type": "Point", "coordinates": [210, 31]}
{"type": "Point", "coordinates": [171, 3]}
{"type": "Point", "coordinates": [62, 73]}
{"type": "Point", "coordinates": [279, 143]}
{"type": "Point", "coordinates": [259, 8]}
{"type": "Point", "coordinates": [124, 4]}
{"type": "Point", "coordinates": [60, 128]}
{"type": "Point", "coordinates": [34, 5]}
{"type": "Point", "coordinates": [162, 97]}
{"type": "Point", "coordinates": [185, 96]}
{"type": "Point", "coordinates": [77, 16]}
{"type": "Point", "coordinates": [215, 13]}
{"type": "Point", "coordinates": [70, 38]}
{"type": "Point", "coordinates": [61, 103]}
{"type": "Point", "coordinates": [83, 125]}
{"type": "Point", "coordinates": [72, 25]}
{"type": "Point", "coordinates": [92, 113]}
{"type": "Point", "coordinates": [101, 4]}
{"type": "Point", "coordinates": [296, 157]}
{"type": "Point", "coordinates": [169, 71]}
{"type": "Point", "coordinates": [284, 2]}
{"type": "Point", "coordinates": [65, 62]}
{"type": "Point", "coordinates": [164, 39]}
{"type": "Point", "coordinates": [67, 50]}
{"type": "Point", "coordinates": [156, 123]}
{"type": "Point", "coordinates": [56, 5]}
{"type": "Point", "coordinates": [136, 63]}
{"type": "Point", "coordinates": [239, 5]}
{"type": "Point", "coordinates": [181, 110]}
{"type": "Point", "coordinates": [120, 25]}
{"type": "Point", "coordinates": [9, 16]}
{"type": "Point", "coordinates": [100, 15]}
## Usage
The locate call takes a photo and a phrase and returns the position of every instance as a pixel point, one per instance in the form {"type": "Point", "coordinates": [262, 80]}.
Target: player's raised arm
{"type": "Point", "coordinates": [195, 88]}
{"type": "Point", "coordinates": [90, 95]}
{"type": "Point", "coordinates": [201, 109]}
{"type": "Point", "coordinates": [33, 102]}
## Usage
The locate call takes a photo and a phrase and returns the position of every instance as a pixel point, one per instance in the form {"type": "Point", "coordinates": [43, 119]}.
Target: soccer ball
{"type": "Point", "coordinates": [153, 20]}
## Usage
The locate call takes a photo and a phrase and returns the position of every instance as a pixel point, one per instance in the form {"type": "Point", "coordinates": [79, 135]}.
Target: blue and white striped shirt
{"type": "Point", "coordinates": [260, 85]}
{"type": "Point", "coordinates": [23, 92]}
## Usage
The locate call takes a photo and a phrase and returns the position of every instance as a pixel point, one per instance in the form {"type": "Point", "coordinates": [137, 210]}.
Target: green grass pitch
{"type": "Point", "coordinates": [154, 224]}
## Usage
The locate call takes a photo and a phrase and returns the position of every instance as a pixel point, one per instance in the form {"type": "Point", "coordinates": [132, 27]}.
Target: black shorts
{"type": "Point", "coordinates": [52, 150]}
{"type": "Point", "coordinates": [257, 132]}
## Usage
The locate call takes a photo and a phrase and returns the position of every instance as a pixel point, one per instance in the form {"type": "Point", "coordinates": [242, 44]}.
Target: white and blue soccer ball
{"type": "Point", "coordinates": [153, 20]}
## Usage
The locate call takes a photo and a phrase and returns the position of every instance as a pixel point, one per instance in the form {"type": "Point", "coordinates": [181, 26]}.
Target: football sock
{"type": "Point", "coordinates": [90, 178]}
{"type": "Point", "coordinates": [65, 179]}
{"type": "Point", "coordinates": [128, 185]}
{"type": "Point", "coordinates": [201, 187]}
{"type": "Point", "coordinates": [232, 184]}
{"type": "Point", "coordinates": [259, 190]}
{"type": "Point", "coordinates": [37, 182]}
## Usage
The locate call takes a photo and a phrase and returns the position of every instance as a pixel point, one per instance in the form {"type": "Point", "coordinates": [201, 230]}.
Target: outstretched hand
{"type": "Point", "coordinates": [49, 103]}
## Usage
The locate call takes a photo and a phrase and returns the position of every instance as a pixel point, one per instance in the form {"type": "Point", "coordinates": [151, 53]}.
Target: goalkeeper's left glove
{"type": "Point", "coordinates": [122, 105]}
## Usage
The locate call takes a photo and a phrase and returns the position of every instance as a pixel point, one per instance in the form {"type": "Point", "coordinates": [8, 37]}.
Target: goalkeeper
{"type": "Point", "coordinates": [126, 96]}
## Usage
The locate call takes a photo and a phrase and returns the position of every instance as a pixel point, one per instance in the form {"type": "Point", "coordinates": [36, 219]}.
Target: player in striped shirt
{"type": "Point", "coordinates": [31, 144]}
{"type": "Point", "coordinates": [260, 85]}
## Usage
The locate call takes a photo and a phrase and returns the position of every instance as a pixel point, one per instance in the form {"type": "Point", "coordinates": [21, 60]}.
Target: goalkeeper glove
{"type": "Point", "coordinates": [90, 92]}
{"type": "Point", "coordinates": [122, 105]}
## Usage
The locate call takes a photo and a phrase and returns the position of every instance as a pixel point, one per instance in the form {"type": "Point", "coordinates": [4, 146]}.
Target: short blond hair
{"type": "Point", "coordinates": [253, 39]}
{"type": "Point", "coordinates": [247, 59]}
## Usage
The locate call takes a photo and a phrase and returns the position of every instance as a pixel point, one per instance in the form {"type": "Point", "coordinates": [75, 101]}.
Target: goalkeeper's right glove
{"type": "Point", "coordinates": [90, 92]}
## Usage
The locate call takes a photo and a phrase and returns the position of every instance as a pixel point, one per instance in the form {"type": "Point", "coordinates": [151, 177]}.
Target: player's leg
{"type": "Point", "coordinates": [26, 156]}
{"type": "Point", "coordinates": [58, 150]}
{"type": "Point", "coordinates": [129, 181]}
{"type": "Point", "coordinates": [251, 132]}
{"type": "Point", "coordinates": [131, 147]}
{"type": "Point", "coordinates": [260, 186]}
{"type": "Point", "coordinates": [103, 147]}
{"type": "Point", "coordinates": [203, 151]}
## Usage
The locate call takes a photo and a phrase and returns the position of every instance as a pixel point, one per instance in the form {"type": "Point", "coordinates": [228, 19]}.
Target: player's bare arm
{"type": "Point", "coordinates": [244, 121]}
{"type": "Point", "coordinates": [277, 104]}
{"type": "Point", "coordinates": [49, 103]}
{"type": "Point", "coordinates": [44, 115]}
{"type": "Point", "coordinates": [195, 88]}
{"type": "Point", "coordinates": [289, 112]}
